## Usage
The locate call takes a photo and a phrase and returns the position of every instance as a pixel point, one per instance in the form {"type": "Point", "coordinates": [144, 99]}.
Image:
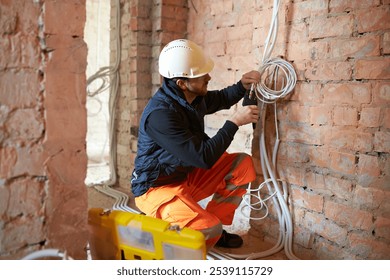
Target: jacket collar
{"type": "Point", "coordinates": [170, 88]}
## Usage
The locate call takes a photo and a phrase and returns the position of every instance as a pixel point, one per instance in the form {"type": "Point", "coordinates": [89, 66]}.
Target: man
{"type": "Point", "coordinates": [177, 164]}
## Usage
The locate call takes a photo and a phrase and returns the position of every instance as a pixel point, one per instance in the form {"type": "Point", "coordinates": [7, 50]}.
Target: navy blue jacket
{"type": "Point", "coordinates": [171, 139]}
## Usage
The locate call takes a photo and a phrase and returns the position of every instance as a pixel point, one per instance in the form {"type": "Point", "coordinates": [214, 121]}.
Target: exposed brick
{"type": "Point", "coordinates": [296, 153]}
{"type": "Point", "coordinates": [338, 6]}
{"type": "Point", "coordinates": [74, 22]}
{"type": "Point", "coordinates": [372, 199]}
{"type": "Point", "coordinates": [262, 21]}
{"type": "Point", "coordinates": [25, 125]}
{"type": "Point", "coordinates": [348, 216]}
{"type": "Point", "coordinates": [303, 237]}
{"type": "Point", "coordinates": [320, 115]}
{"type": "Point", "coordinates": [326, 250]}
{"type": "Point", "coordinates": [304, 9]}
{"type": "Point", "coordinates": [217, 35]}
{"type": "Point", "coordinates": [170, 11]}
{"type": "Point", "coordinates": [373, 68]}
{"type": "Point", "coordinates": [316, 182]}
{"type": "Point", "coordinates": [345, 116]}
{"type": "Point", "coordinates": [373, 19]}
{"type": "Point", "coordinates": [22, 232]}
{"type": "Point", "coordinates": [239, 32]}
{"type": "Point", "coordinates": [363, 142]}
{"type": "Point", "coordinates": [293, 175]}
{"type": "Point", "coordinates": [347, 93]}
{"type": "Point", "coordinates": [369, 165]}
{"type": "Point", "coordinates": [328, 70]}
{"type": "Point", "coordinates": [339, 187]}
{"type": "Point", "coordinates": [298, 34]}
{"type": "Point", "coordinates": [20, 50]}
{"type": "Point", "coordinates": [368, 248]}
{"type": "Point", "coordinates": [312, 135]}
{"type": "Point", "coordinates": [19, 88]}
{"type": "Point", "coordinates": [307, 93]}
{"type": "Point", "coordinates": [370, 117]}
{"type": "Point", "coordinates": [343, 162]}
{"type": "Point", "coordinates": [307, 200]}
{"type": "Point", "coordinates": [324, 26]}
{"type": "Point", "coordinates": [341, 138]}
{"type": "Point", "coordinates": [386, 43]}
{"type": "Point", "coordinates": [30, 161]}
{"type": "Point", "coordinates": [4, 194]}
{"type": "Point", "coordinates": [223, 20]}
{"type": "Point", "coordinates": [243, 62]}
{"type": "Point", "coordinates": [382, 142]}
{"type": "Point", "coordinates": [8, 19]}
{"type": "Point", "coordinates": [320, 156]}
{"type": "Point", "coordinates": [381, 94]}
{"type": "Point", "coordinates": [382, 227]}
{"type": "Point", "coordinates": [300, 69]}
{"type": "Point", "coordinates": [239, 47]}
{"type": "Point", "coordinates": [216, 49]}
{"type": "Point", "coordinates": [298, 113]}
{"type": "Point", "coordinates": [308, 51]}
{"type": "Point", "coordinates": [355, 48]}
{"type": "Point", "coordinates": [329, 230]}
{"type": "Point", "coordinates": [22, 191]}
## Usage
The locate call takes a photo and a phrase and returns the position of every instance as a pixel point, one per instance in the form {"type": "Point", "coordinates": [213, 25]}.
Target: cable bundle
{"type": "Point", "coordinates": [267, 92]}
{"type": "Point", "coordinates": [47, 253]}
{"type": "Point", "coordinates": [121, 199]}
{"type": "Point", "coordinates": [274, 72]}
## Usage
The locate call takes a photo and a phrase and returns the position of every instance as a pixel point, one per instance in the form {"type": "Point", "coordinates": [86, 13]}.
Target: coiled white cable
{"type": "Point", "coordinates": [274, 72]}
{"type": "Point", "coordinates": [270, 67]}
{"type": "Point", "coordinates": [271, 70]}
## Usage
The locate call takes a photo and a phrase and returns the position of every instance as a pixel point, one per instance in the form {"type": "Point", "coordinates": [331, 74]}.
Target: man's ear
{"type": "Point", "coordinates": [182, 84]}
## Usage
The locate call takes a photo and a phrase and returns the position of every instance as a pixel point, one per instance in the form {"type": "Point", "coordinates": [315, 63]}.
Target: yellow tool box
{"type": "Point", "coordinates": [121, 235]}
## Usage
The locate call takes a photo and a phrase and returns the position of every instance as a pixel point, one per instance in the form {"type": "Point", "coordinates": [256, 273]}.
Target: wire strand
{"type": "Point", "coordinates": [110, 78]}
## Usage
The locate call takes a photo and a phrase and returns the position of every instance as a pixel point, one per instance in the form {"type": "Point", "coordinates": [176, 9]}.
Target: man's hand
{"type": "Point", "coordinates": [250, 78]}
{"type": "Point", "coordinates": [245, 115]}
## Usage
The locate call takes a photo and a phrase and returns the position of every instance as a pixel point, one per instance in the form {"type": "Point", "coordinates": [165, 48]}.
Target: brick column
{"type": "Point", "coordinates": [146, 27]}
{"type": "Point", "coordinates": [43, 199]}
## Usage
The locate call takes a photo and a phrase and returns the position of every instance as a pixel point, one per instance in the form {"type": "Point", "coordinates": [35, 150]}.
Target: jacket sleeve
{"type": "Point", "coordinates": [172, 133]}
{"type": "Point", "coordinates": [223, 99]}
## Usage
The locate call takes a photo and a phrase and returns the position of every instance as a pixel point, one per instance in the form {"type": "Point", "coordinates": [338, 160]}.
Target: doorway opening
{"type": "Point", "coordinates": [97, 37]}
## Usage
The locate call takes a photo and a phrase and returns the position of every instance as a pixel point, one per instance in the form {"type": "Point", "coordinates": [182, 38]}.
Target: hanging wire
{"type": "Point", "coordinates": [109, 78]}
{"type": "Point", "coordinates": [274, 72]}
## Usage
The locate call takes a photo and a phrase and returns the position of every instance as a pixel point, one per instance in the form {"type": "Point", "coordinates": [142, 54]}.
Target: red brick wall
{"type": "Point", "coordinates": [146, 27]}
{"type": "Point", "coordinates": [43, 160]}
{"type": "Point", "coordinates": [334, 127]}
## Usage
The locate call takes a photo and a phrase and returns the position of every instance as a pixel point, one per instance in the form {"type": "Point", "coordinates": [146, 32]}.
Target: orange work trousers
{"type": "Point", "coordinates": [177, 203]}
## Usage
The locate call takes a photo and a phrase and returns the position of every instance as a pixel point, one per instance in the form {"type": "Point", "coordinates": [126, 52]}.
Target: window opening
{"type": "Point", "coordinates": [97, 37]}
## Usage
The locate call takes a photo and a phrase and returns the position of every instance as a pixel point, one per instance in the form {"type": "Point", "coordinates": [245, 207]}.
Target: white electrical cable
{"type": "Point", "coordinates": [109, 76]}
{"type": "Point", "coordinates": [47, 253]}
{"type": "Point", "coordinates": [269, 70]}
{"type": "Point", "coordinates": [121, 199]}
{"type": "Point", "coordinates": [268, 93]}
{"type": "Point", "coordinates": [277, 188]}
{"type": "Point", "coordinates": [270, 67]}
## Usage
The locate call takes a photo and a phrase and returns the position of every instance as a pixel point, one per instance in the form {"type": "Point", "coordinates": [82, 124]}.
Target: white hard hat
{"type": "Point", "coordinates": [183, 58]}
